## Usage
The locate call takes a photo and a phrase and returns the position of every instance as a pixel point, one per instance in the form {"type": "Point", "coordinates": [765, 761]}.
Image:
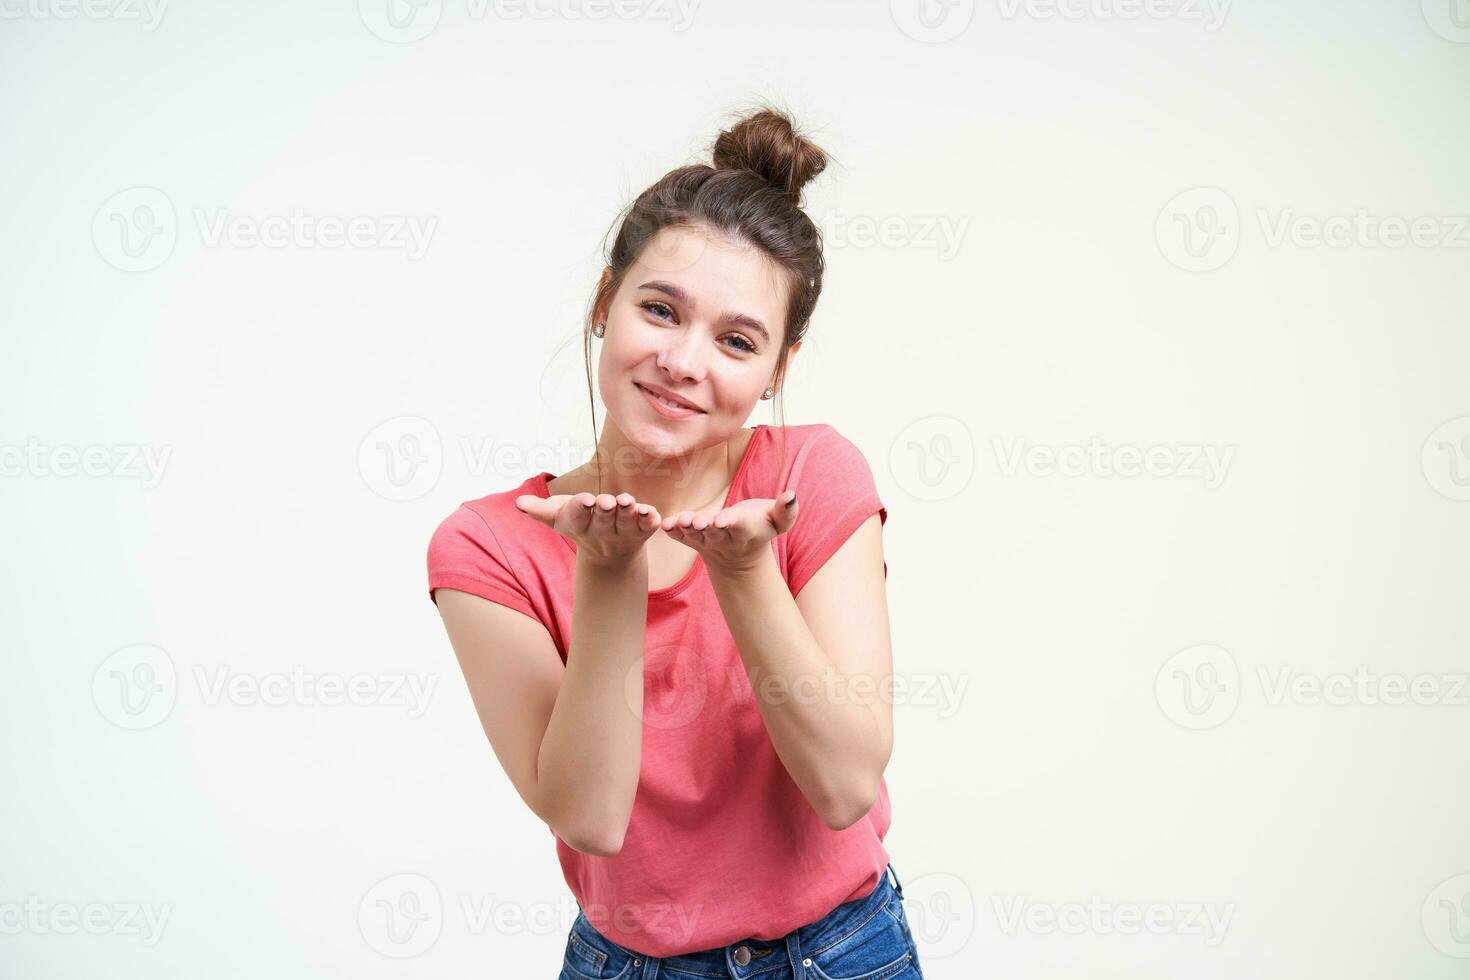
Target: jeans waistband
{"type": "Point", "coordinates": [765, 955]}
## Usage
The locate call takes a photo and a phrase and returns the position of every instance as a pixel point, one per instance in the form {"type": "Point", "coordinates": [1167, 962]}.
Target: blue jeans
{"type": "Point", "coordinates": [868, 938]}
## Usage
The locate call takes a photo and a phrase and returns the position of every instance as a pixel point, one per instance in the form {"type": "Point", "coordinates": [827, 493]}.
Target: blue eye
{"type": "Point", "coordinates": [743, 345]}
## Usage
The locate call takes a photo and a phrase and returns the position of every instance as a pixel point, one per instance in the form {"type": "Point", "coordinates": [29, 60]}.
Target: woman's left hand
{"type": "Point", "coordinates": [735, 538]}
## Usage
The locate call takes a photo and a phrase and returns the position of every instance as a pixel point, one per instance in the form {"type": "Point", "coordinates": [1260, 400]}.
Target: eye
{"type": "Point", "coordinates": [653, 302]}
{"type": "Point", "coordinates": [742, 343]}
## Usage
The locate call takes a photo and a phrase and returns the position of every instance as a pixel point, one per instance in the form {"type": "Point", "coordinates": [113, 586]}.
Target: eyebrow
{"type": "Point", "coordinates": [683, 297]}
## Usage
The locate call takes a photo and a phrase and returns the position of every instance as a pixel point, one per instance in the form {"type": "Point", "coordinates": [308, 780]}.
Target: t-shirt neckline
{"type": "Point", "coordinates": [540, 480]}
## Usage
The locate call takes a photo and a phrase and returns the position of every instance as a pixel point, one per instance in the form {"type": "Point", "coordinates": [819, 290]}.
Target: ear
{"type": "Point", "coordinates": [599, 315]}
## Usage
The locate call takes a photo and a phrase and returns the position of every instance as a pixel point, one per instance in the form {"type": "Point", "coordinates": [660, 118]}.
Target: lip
{"type": "Point", "coordinates": [660, 407]}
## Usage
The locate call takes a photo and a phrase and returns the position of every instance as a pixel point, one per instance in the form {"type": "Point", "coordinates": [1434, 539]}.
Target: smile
{"type": "Point", "coordinates": [666, 406]}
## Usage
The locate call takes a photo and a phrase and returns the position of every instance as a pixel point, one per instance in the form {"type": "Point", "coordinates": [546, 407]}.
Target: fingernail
{"type": "Point", "coordinates": [792, 501]}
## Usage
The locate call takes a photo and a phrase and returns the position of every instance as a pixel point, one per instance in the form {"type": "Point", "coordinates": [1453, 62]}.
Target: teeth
{"type": "Point", "coordinates": [684, 408]}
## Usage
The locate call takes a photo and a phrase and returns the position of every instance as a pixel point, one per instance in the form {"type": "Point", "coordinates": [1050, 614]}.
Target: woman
{"type": "Point", "coordinates": [678, 664]}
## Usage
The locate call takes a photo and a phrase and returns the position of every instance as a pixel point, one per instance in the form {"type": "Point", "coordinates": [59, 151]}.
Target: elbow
{"type": "Point", "coordinates": [580, 830]}
{"type": "Point", "coordinates": [842, 810]}
{"type": "Point", "coordinates": [592, 841]}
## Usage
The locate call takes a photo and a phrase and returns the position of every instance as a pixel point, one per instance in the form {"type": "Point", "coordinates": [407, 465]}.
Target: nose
{"type": "Point", "coordinates": [682, 359]}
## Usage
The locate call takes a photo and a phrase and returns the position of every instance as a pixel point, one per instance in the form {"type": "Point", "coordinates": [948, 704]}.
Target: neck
{"type": "Point", "coordinates": [695, 480]}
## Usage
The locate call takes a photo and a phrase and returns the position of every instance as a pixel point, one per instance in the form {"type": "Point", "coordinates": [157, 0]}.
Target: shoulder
{"type": "Point", "coordinates": [821, 450]}
{"type": "Point", "coordinates": [479, 548]}
{"type": "Point", "coordinates": [826, 469]}
{"type": "Point", "coordinates": [487, 524]}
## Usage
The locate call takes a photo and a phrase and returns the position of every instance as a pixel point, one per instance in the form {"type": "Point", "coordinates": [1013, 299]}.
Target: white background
{"type": "Point", "coordinates": [1069, 763]}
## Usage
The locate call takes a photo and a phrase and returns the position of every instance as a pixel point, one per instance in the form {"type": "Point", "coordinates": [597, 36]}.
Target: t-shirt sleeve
{"type": "Point", "coordinates": [464, 554]}
{"type": "Point", "coordinates": [835, 494]}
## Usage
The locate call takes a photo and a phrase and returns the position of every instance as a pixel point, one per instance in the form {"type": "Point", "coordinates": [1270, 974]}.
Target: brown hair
{"type": "Point", "coordinates": [752, 193]}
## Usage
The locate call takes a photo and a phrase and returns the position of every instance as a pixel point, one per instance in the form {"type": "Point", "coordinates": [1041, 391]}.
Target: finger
{"type": "Point", "coordinates": [701, 521]}
{"type": "Point", "coordinates": [626, 516]}
{"type": "Point", "coordinates": [536, 508]}
{"type": "Point", "coordinates": [783, 511]}
{"type": "Point", "coordinates": [581, 507]}
{"type": "Point", "coordinates": [604, 514]}
{"type": "Point", "coordinates": [724, 527]}
{"type": "Point", "coordinates": [648, 518]}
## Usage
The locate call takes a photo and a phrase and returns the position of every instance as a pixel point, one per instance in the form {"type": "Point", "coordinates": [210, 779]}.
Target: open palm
{"type": "Point", "coordinates": [734, 537]}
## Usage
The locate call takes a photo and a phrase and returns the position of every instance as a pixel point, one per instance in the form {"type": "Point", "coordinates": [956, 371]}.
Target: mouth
{"type": "Point", "coordinates": [671, 404]}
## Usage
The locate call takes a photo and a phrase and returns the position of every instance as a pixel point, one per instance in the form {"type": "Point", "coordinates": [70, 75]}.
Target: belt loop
{"type": "Point", "coordinates": [897, 885]}
{"type": "Point", "coordinates": [793, 953]}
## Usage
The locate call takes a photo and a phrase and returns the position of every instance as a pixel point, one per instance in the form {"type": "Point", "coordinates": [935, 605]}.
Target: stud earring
{"type": "Point", "coordinates": [768, 393]}
{"type": "Point", "coordinates": [599, 330]}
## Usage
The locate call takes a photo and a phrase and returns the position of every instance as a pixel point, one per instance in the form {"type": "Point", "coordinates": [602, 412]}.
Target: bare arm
{"type": "Point", "coordinates": [821, 666]}
{"type": "Point", "coordinates": [569, 737]}
{"type": "Point", "coordinates": [593, 747]}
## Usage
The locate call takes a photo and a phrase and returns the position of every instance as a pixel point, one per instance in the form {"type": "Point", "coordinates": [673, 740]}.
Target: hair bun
{"type": "Point", "coordinates": [767, 143]}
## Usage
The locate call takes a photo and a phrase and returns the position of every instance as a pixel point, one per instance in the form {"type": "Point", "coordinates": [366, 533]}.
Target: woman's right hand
{"type": "Point", "coordinates": [607, 530]}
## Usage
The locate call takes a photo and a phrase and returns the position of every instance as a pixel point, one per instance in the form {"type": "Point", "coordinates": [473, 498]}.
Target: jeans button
{"type": "Point", "coordinates": [742, 955]}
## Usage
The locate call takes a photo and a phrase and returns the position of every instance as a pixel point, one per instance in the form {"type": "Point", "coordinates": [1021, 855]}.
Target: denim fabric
{"type": "Point", "coordinates": [865, 939]}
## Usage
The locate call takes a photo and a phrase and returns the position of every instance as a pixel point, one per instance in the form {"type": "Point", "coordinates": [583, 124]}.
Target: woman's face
{"type": "Point", "coordinates": [699, 317]}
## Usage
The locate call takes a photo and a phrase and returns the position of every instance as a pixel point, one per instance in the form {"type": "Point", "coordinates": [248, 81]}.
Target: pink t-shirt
{"type": "Point", "coordinates": [721, 844]}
